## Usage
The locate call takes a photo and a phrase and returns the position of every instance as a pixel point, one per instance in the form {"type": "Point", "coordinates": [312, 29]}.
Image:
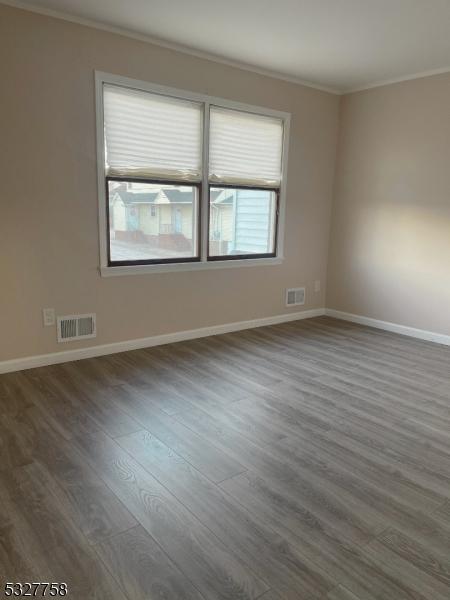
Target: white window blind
{"type": "Point", "coordinates": [152, 136]}
{"type": "Point", "coordinates": [245, 148]}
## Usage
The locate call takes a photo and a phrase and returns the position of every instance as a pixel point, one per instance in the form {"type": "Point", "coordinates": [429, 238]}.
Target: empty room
{"type": "Point", "coordinates": [225, 299]}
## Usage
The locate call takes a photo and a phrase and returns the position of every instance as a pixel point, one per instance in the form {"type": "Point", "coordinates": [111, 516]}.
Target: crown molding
{"type": "Point", "coordinates": [420, 75]}
{"type": "Point", "coordinates": [214, 57]}
{"type": "Point", "coordinates": [166, 44]}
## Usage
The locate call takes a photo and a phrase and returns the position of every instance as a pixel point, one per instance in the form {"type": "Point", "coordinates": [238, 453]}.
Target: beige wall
{"type": "Point", "coordinates": [390, 242]}
{"type": "Point", "coordinates": [48, 226]}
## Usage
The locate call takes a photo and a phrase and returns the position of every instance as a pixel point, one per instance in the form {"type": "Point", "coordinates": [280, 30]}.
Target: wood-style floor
{"type": "Point", "coordinates": [305, 461]}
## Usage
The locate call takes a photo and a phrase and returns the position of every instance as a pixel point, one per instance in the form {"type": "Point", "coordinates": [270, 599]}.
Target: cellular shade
{"type": "Point", "coordinates": [152, 136]}
{"type": "Point", "coordinates": [245, 148]}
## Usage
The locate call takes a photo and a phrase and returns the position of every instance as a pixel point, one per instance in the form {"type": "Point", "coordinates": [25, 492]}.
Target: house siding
{"type": "Point", "coordinates": [253, 219]}
{"type": "Point", "coordinates": [147, 223]}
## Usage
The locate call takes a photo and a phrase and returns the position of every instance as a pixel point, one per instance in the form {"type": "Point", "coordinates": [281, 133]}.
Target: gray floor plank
{"type": "Point", "coordinates": [303, 461]}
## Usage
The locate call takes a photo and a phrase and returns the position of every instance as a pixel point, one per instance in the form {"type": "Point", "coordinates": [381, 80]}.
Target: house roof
{"type": "Point", "coordinates": [220, 197]}
{"type": "Point", "coordinates": [177, 196]}
{"type": "Point", "coordinates": [137, 198]}
{"type": "Point", "coordinates": [174, 196]}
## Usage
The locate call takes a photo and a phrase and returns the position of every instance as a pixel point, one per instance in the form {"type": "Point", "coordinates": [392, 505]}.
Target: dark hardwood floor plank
{"type": "Point", "coordinates": [91, 505]}
{"type": "Point", "coordinates": [419, 556]}
{"type": "Point", "coordinates": [403, 483]}
{"type": "Point", "coordinates": [211, 461]}
{"type": "Point", "coordinates": [379, 359]}
{"type": "Point", "coordinates": [398, 457]}
{"type": "Point", "coordinates": [47, 540]}
{"type": "Point", "coordinates": [302, 461]}
{"type": "Point", "coordinates": [229, 390]}
{"type": "Point", "coordinates": [345, 562]}
{"type": "Point", "coordinates": [15, 395]}
{"type": "Point", "coordinates": [308, 488]}
{"type": "Point", "coordinates": [265, 552]}
{"type": "Point", "coordinates": [391, 511]}
{"type": "Point", "coordinates": [414, 350]}
{"type": "Point", "coordinates": [13, 453]}
{"type": "Point", "coordinates": [395, 359]}
{"type": "Point", "coordinates": [394, 563]}
{"type": "Point", "coordinates": [143, 569]}
{"type": "Point", "coordinates": [17, 562]}
{"type": "Point", "coordinates": [108, 416]}
{"type": "Point", "coordinates": [64, 411]}
{"type": "Point", "coordinates": [418, 466]}
{"type": "Point", "coordinates": [443, 512]}
{"type": "Point", "coordinates": [437, 434]}
{"type": "Point", "coordinates": [234, 417]}
{"type": "Point", "coordinates": [256, 419]}
{"type": "Point", "coordinates": [322, 397]}
{"type": "Point", "coordinates": [237, 357]}
{"type": "Point", "coordinates": [271, 595]}
{"type": "Point", "coordinates": [181, 380]}
{"type": "Point", "coordinates": [340, 593]}
{"type": "Point", "coordinates": [229, 440]}
{"type": "Point", "coordinates": [94, 400]}
{"type": "Point", "coordinates": [142, 374]}
{"type": "Point", "coordinates": [220, 363]}
{"type": "Point", "coordinates": [359, 371]}
{"type": "Point", "coordinates": [201, 556]}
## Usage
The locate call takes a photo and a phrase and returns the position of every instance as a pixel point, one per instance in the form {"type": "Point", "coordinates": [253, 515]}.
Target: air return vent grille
{"type": "Point", "coordinates": [76, 327]}
{"type": "Point", "coordinates": [295, 297]}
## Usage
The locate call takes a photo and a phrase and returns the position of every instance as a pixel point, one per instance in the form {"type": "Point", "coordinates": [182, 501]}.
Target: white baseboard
{"type": "Point", "coordinates": [42, 360]}
{"type": "Point", "coordinates": [421, 334]}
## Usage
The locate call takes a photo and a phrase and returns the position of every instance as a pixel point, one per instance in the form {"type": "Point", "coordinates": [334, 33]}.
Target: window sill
{"type": "Point", "coordinates": [194, 266]}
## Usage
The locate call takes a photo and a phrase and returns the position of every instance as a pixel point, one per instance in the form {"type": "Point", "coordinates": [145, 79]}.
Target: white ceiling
{"type": "Point", "coordinates": [338, 44]}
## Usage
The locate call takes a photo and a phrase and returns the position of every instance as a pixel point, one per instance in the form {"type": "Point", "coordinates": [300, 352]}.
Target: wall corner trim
{"type": "Point", "coordinates": [421, 334]}
{"type": "Point", "coordinates": [42, 360]}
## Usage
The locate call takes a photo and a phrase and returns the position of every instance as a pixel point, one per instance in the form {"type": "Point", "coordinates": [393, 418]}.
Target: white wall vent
{"type": "Point", "coordinates": [76, 327]}
{"type": "Point", "coordinates": [295, 296]}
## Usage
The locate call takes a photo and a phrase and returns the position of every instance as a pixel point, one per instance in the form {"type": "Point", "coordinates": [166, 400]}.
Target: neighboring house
{"type": "Point", "coordinates": [162, 217]}
{"type": "Point", "coordinates": [253, 215]}
{"type": "Point", "coordinates": [221, 221]}
{"type": "Point", "coordinates": [239, 219]}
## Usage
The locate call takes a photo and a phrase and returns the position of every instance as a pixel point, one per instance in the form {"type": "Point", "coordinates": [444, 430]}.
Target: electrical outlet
{"type": "Point", "coordinates": [48, 316]}
{"type": "Point", "coordinates": [317, 285]}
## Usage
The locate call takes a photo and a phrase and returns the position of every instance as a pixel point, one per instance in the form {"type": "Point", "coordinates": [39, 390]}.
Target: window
{"type": "Point", "coordinates": [152, 159]}
{"type": "Point", "coordinates": [245, 152]}
{"type": "Point", "coordinates": [186, 181]}
{"type": "Point", "coordinates": [242, 222]}
{"type": "Point", "coordinates": [136, 237]}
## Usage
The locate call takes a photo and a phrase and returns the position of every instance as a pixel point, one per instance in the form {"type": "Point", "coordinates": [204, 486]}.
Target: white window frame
{"type": "Point", "coordinates": [107, 270]}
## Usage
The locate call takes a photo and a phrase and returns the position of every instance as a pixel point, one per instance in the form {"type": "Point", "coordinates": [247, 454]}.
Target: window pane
{"type": "Point", "coordinates": [244, 148]}
{"type": "Point", "coordinates": [152, 136]}
{"type": "Point", "coordinates": [152, 221]}
{"type": "Point", "coordinates": [242, 221]}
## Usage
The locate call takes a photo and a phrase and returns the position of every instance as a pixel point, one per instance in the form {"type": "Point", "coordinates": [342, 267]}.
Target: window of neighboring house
{"type": "Point", "coordinates": [208, 171]}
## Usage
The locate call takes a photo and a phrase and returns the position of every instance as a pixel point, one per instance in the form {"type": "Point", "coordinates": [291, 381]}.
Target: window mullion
{"type": "Point", "coordinates": [204, 202]}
